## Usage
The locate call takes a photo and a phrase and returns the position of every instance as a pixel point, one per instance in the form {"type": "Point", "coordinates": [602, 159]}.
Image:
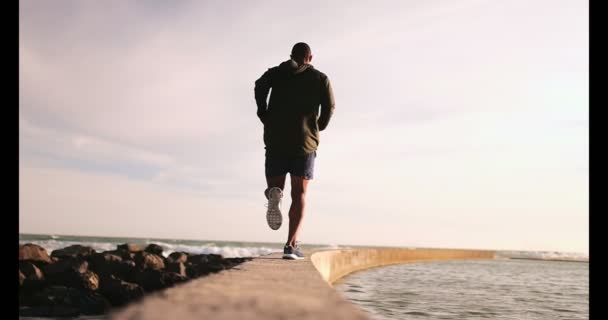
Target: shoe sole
{"type": "Point", "coordinates": [274, 218]}
{"type": "Point", "coordinates": [291, 257]}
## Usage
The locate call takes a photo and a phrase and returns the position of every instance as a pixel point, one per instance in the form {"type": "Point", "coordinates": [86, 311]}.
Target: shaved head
{"type": "Point", "coordinates": [301, 52]}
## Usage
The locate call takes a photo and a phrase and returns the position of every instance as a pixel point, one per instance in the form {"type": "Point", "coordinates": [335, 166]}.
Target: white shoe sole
{"type": "Point", "coordinates": [273, 214]}
{"type": "Point", "coordinates": [292, 257]}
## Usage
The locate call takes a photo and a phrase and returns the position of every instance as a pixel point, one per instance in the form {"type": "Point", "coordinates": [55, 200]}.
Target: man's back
{"type": "Point", "coordinates": [291, 119]}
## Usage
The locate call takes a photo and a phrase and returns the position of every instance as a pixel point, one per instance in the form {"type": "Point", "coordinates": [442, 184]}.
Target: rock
{"type": "Point", "coordinates": [30, 270]}
{"type": "Point", "coordinates": [231, 262]}
{"type": "Point", "coordinates": [127, 270]}
{"type": "Point", "coordinates": [104, 263]}
{"type": "Point", "coordinates": [176, 267]}
{"type": "Point", "coordinates": [56, 296]}
{"type": "Point", "coordinates": [198, 270]}
{"type": "Point", "coordinates": [171, 278]}
{"type": "Point", "coordinates": [73, 251]}
{"type": "Point", "coordinates": [145, 260]}
{"type": "Point", "coordinates": [150, 280]}
{"type": "Point", "coordinates": [64, 265]}
{"type": "Point", "coordinates": [130, 247]}
{"type": "Point", "coordinates": [73, 273]}
{"type": "Point", "coordinates": [49, 311]}
{"type": "Point", "coordinates": [92, 303]}
{"type": "Point", "coordinates": [205, 259]}
{"type": "Point", "coordinates": [120, 292]}
{"type": "Point", "coordinates": [204, 264]}
{"type": "Point", "coordinates": [34, 278]}
{"type": "Point", "coordinates": [87, 280]}
{"type": "Point", "coordinates": [60, 301]}
{"type": "Point", "coordinates": [178, 257]}
{"type": "Point", "coordinates": [34, 253]}
{"type": "Point", "coordinates": [155, 249]}
{"type": "Point", "coordinates": [124, 254]}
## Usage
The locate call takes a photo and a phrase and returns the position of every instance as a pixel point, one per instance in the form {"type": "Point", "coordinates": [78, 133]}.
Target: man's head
{"type": "Point", "coordinates": [301, 53]}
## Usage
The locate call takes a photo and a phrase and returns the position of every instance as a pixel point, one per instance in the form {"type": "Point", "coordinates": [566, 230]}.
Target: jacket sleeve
{"type": "Point", "coordinates": [327, 103]}
{"type": "Point", "coordinates": [261, 89]}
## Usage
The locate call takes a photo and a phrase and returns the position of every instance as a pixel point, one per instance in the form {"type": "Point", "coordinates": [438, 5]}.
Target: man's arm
{"type": "Point", "coordinates": [327, 104]}
{"type": "Point", "coordinates": [262, 87]}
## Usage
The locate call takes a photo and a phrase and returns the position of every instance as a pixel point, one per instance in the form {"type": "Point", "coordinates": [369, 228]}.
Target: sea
{"type": "Point", "coordinates": [516, 285]}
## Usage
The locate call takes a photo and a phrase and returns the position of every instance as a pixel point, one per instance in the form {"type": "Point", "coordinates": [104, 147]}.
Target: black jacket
{"type": "Point", "coordinates": [292, 120]}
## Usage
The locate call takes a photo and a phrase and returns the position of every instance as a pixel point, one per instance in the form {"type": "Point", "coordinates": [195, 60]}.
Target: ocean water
{"type": "Point", "coordinates": [500, 289]}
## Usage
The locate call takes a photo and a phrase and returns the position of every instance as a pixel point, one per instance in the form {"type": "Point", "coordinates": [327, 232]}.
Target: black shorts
{"type": "Point", "coordinates": [297, 166]}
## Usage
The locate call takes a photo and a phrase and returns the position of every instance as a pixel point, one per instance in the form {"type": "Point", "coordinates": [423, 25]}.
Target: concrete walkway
{"type": "Point", "coordinates": [266, 287]}
{"type": "Point", "coordinates": [269, 287]}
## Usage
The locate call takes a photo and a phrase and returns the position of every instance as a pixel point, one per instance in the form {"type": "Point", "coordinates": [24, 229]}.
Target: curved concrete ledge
{"type": "Point", "coordinates": [269, 287]}
{"type": "Point", "coordinates": [335, 264]}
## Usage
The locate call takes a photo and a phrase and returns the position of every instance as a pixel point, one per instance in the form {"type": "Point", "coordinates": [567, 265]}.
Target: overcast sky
{"type": "Point", "coordinates": [459, 124]}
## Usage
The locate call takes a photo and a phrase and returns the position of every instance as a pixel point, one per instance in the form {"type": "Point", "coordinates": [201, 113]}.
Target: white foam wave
{"type": "Point", "coordinates": [224, 251]}
{"type": "Point", "coordinates": [545, 255]}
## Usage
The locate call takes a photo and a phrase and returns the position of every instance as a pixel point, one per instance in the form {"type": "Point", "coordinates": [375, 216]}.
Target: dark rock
{"type": "Point", "coordinates": [104, 263]}
{"type": "Point", "coordinates": [178, 257]}
{"type": "Point", "coordinates": [124, 254]}
{"type": "Point", "coordinates": [56, 295]}
{"type": "Point", "coordinates": [34, 278]}
{"type": "Point", "coordinates": [92, 303]}
{"type": "Point", "coordinates": [151, 280]}
{"type": "Point", "coordinates": [231, 262]}
{"type": "Point", "coordinates": [198, 270]}
{"type": "Point", "coordinates": [60, 301]}
{"type": "Point", "coordinates": [145, 260]}
{"type": "Point", "coordinates": [73, 251]}
{"type": "Point", "coordinates": [64, 265]}
{"type": "Point", "coordinates": [49, 311]}
{"type": "Point", "coordinates": [30, 270]}
{"type": "Point", "coordinates": [205, 258]}
{"type": "Point", "coordinates": [176, 267]}
{"type": "Point", "coordinates": [73, 273]}
{"type": "Point", "coordinates": [34, 253]}
{"type": "Point", "coordinates": [120, 292]}
{"type": "Point", "coordinates": [130, 247]}
{"type": "Point", "coordinates": [87, 280]}
{"type": "Point", "coordinates": [171, 278]}
{"type": "Point", "coordinates": [155, 249]}
{"type": "Point", "coordinates": [127, 270]}
{"type": "Point", "coordinates": [204, 264]}
{"type": "Point", "coordinates": [101, 259]}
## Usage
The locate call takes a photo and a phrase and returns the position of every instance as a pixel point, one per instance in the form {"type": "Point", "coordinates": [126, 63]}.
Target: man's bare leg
{"type": "Point", "coordinates": [296, 210]}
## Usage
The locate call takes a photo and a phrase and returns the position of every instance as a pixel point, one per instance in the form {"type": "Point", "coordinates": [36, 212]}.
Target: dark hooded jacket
{"type": "Point", "coordinates": [291, 118]}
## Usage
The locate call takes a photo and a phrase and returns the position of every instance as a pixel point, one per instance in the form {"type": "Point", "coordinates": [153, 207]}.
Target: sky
{"type": "Point", "coordinates": [458, 124]}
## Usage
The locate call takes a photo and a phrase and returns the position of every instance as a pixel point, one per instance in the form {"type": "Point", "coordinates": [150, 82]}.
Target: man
{"type": "Point", "coordinates": [292, 122]}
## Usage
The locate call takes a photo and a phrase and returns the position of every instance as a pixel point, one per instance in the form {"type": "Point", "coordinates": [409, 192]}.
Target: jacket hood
{"type": "Point", "coordinates": [293, 68]}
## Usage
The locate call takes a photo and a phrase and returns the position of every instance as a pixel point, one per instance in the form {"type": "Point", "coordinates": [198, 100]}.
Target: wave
{"type": "Point", "coordinates": [168, 248]}
{"type": "Point", "coordinates": [544, 255]}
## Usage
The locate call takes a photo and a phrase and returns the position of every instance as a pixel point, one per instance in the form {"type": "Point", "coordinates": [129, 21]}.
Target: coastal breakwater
{"type": "Point", "coordinates": [335, 264]}
{"type": "Point", "coordinates": [269, 287]}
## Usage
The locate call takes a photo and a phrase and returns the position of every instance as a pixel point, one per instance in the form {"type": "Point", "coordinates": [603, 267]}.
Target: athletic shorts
{"type": "Point", "coordinates": [296, 166]}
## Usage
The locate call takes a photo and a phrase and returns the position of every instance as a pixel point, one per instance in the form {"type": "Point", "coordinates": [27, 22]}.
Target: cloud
{"type": "Point", "coordinates": [435, 100]}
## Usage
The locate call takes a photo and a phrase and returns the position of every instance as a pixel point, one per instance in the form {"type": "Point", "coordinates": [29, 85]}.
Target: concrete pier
{"type": "Point", "coordinates": [269, 287]}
